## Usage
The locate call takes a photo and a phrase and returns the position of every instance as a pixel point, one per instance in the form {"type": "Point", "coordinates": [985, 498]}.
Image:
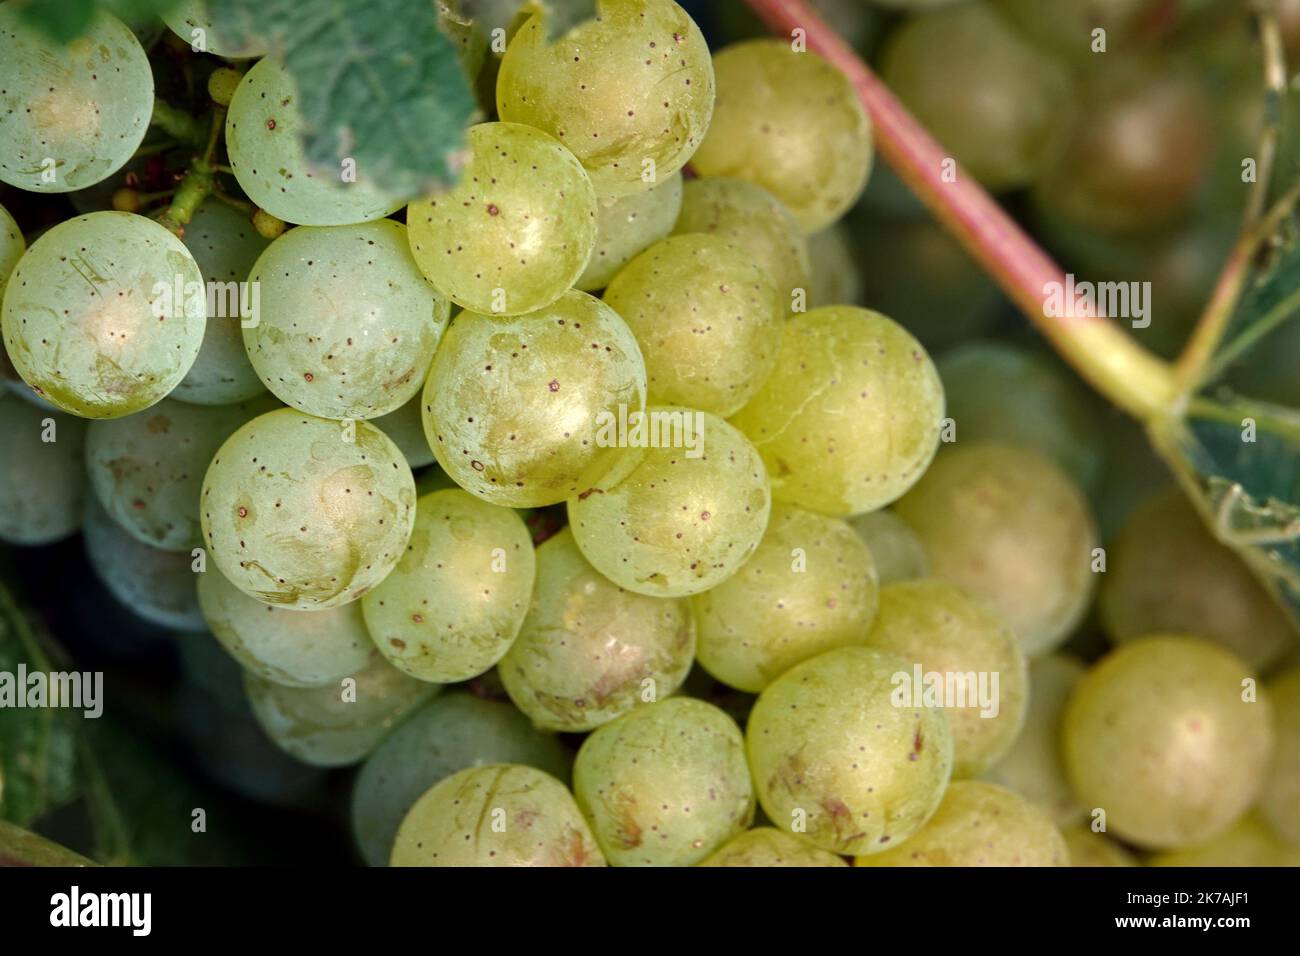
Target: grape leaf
{"type": "Point", "coordinates": [379, 83]}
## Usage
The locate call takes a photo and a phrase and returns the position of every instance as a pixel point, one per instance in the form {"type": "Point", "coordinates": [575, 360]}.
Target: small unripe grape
{"type": "Point", "coordinates": [267, 225]}
{"type": "Point", "coordinates": [222, 83]}
{"type": "Point", "coordinates": [126, 200]}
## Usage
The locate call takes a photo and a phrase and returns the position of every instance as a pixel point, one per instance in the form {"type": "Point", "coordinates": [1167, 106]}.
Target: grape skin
{"type": "Point", "coordinates": [672, 524]}
{"type": "Point", "coordinates": [340, 723]}
{"type": "Point", "coordinates": [1280, 802]}
{"type": "Point", "coordinates": [12, 247]}
{"type": "Point", "coordinates": [589, 650]}
{"type": "Point", "coordinates": [768, 846]}
{"type": "Point", "coordinates": [86, 106]}
{"type": "Point", "coordinates": [895, 549]}
{"type": "Point", "coordinates": [791, 123]}
{"type": "Point", "coordinates": [190, 16]}
{"type": "Point", "coordinates": [748, 216]}
{"type": "Point", "coordinates": [293, 648]}
{"type": "Point", "coordinates": [42, 484]}
{"type": "Point", "coordinates": [629, 91]}
{"type": "Point", "coordinates": [95, 347]}
{"type": "Point", "coordinates": [707, 320]}
{"type": "Point", "coordinates": [453, 731]}
{"type": "Point", "coordinates": [1010, 526]}
{"type": "Point", "coordinates": [454, 603]}
{"type": "Point", "coordinates": [518, 229]}
{"type": "Point", "coordinates": [298, 516]}
{"type": "Point", "coordinates": [498, 815]}
{"type": "Point", "coordinates": [979, 824]}
{"type": "Point", "coordinates": [850, 418]}
{"type": "Point", "coordinates": [511, 406]}
{"type": "Point", "coordinates": [664, 785]}
{"type": "Point", "coordinates": [945, 630]}
{"type": "Point", "coordinates": [809, 587]}
{"type": "Point", "coordinates": [147, 469]}
{"type": "Point", "coordinates": [831, 753]}
{"type": "Point", "coordinates": [226, 246]}
{"type": "Point", "coordinates": [1088, 848]}
{"type": "Point", "coordinates": [627, 225]}
{"type": "Point", "coordinates": [1157, 734]}
{"type": "Point", "coordinates": [348, 324]}
{"type": "Point", "coordinates": [263, 138]}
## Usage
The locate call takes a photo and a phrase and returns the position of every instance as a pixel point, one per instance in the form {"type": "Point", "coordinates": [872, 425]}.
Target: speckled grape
{"type": "Point", "coordinates": [518, 229]}
{"type": "Point", "coordinates": [293, 648]}
{"type": "Point", "coordinates": [348, 325]}
{"type": "Point", "coordinates": [837, 762]}
{"type": "Point", "coordinates": [809, 587]}
{"type": "Point", "coordinates": [626, 225]}
{"type": "Point", "coordinates": [951, 633]}
{"type": "Point", "coordinates": [791, 123]}
{"type": "Point", "coordinates": [630, 92]}
{"type": "Point", "coordinates": [454, 604]}
{"type": "Point", "coordinates": [1159, 736]}
{"type": "Point", "coordinates": [850, 418]}
{"type": "Point", "coordinates": [307, 513]}
{"type": "Point", "coordinates": [707, 319]}
{"type": "Point", "coordinates": [590, 650]}
{"type": "Point", "coordinates": [767, 847]}
{"type": "Point", "coordinates": [980, 824]}
{"type": "Point", "coordinates": [680, 521]}
{"type": "Point", "coordinates": [92, 318]}
{"type": "Point", "coordinates": [664, 785]}
{"type": "Point", "coordinates": [1010, 526]}
{"type": "Point", "coordinates": [897, 551]}
{"type": "Point", "coordinates": [70, 115]}
{"type": "Point", "coordinates": [42, 483]}
{"type": "Point", "coordinates": [497, 815]}
{"type": "Point", "coordinates": [513, 406]}
{"type": "Point", "coordinates": [264, 131]}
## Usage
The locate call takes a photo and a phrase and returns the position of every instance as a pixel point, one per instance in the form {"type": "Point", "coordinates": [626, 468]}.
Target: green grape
{"type": "Point", "coordinates": [1010, 526]}
{"type": "Point", "coordinates": [517, 231]}
{"type": "Point", "coordinates": [850, 418]}
{"type": "Point", "coordinates": [630, 92]}
{"type": "Point", "coordinates": [1248, 842]}
{"type": "Point", "coordinates": [753, 219]}
{"type": "Point", "coordinates": [809, 587]}
{"type": "Point", "coordinates": [1001, 107]}
{"type": "Point", "coordinates": [979, 824]}
{"type": "Point", "coordinates": [225, 245]}
{"type": "Point", "coordinates": [707, 320]}
{"type": "Point", "coordinates": [452, 732]}
{"type": "Point", "coordinates": [455, 602]}
{"type": "Point", "coordinates": [192, 21]}
{"type": "Point", "coordinates": [157, 585]}
{"type": "Point", "coordinates": [42, 483]}
{"type": "Point", "coordinates": [100, 315]}
{"type": "Point", "coordinates": [1169, 575]}
{"type": "Point", "coordinates": [590, 650]}
{"type": "Point", "coordinates": [496, 815]}
{"type": "Point", "coordinates": [1280, 802]}
{"type": "Point", "coordinates": [895, 549]}
{"type": "Point", "coordinates": [921, 275]}
{"type": "Point", "coordinates": [685, 516]}
{"type": "Point", "coordinates": [339, 723]}
{"type": "Point", "coordinates": [147, 468]}
{"type": "Point", "coordinates": [1002, 392]}
{"type": "Point", "coordinates": [939, 629]}
{"type": "Point", "coordinates": [768, 847]}
{"type": "Point", "coordinates": [12, 247]}
{"type": "Point", "coordinates": [791, 123]}
{"type": "Point", "coordinates": [1033, 766]}
{"type": "Point", "coordinates": [1088, 848]}
{"type": "Point", "coordinates": [836, 760]}
{"type": "Point", "coordinates": [1160, 737]}
{"type": "Point", "coordinates": [1067, 27]}
{"type": "Point", "coordinates": [627, 225]}
{"type": "Point", "coordinates": [70, 115]}
{"type": "Point", "coordinates": [347, 325]}
{"type": "Point", "coordinates": [293, 648]}
{"type": "Point", "coordinates": [264, 131]}
{"type": "Point", "coordinates": [307, 513]}
{"type": "Point", "coordinates": [836, 278]}
{"type": "Point", "coordinates": [665, 785]}
{"type": "Point", "coordinates": [406, 429]}
{"type": "Point", "coordinates": [513, 407]}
